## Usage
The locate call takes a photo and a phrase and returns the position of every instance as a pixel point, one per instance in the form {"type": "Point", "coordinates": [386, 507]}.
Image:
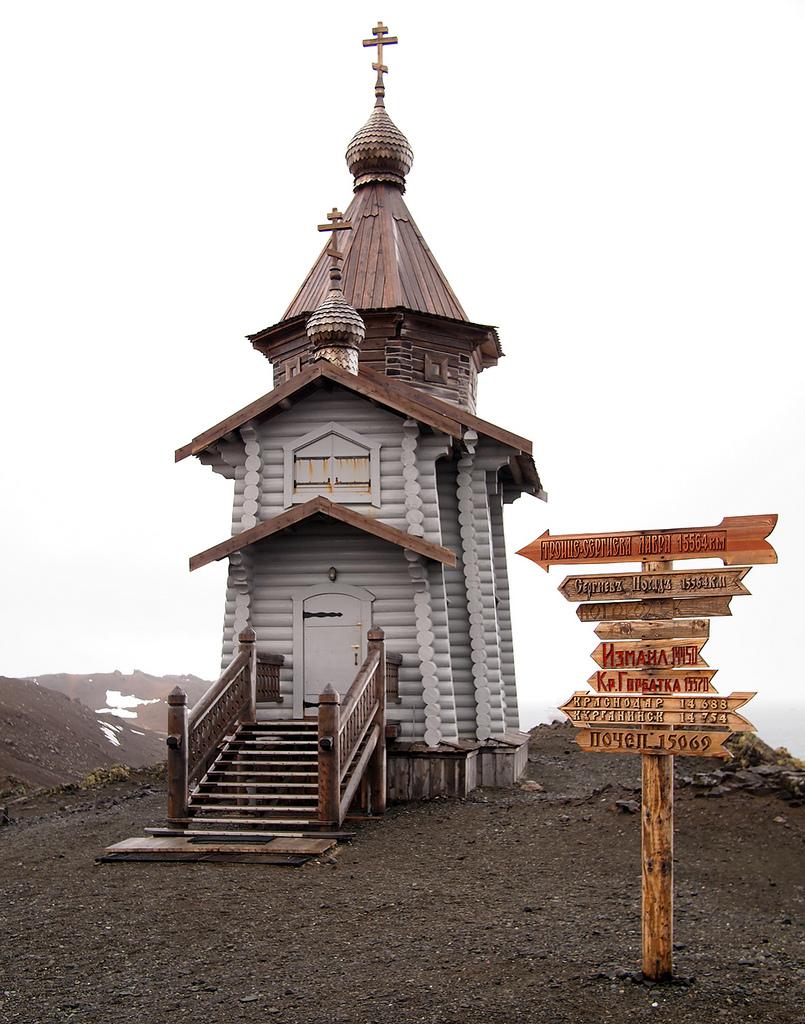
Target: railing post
{"type": "Point", "coordinates": [377, 764]}
{"type": "Point", "coordinates": [247, 642]}
{"type": "Point", "coordinates": [329, 755]}
{"type": "Point", "coordinates": [177, 753]}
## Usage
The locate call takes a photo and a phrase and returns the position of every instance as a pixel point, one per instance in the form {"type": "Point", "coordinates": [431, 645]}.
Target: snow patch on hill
{"type": "Point", "coordinates": [110, 732]}
{"type": "Point", "coordinates": [120, 705]}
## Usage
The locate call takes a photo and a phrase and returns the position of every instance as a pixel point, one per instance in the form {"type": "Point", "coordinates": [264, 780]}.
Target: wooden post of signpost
{"type": "Point", "coordinates": [658, 853]}
{"type": "Point", "coordinates": [653, 698]}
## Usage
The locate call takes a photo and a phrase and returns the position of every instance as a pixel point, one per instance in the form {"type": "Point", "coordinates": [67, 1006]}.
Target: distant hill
{"type": "Point", "coordinates": [136, 698]}
{"type": "Point", "coordinates": [47, 739]}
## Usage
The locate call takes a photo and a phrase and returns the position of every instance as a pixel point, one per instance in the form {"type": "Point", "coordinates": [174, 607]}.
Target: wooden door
{"type": "Point", "coordinates": [334, 642]}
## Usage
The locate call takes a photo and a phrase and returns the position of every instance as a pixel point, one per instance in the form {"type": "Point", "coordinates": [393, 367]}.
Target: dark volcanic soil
{"type": "Point", "coordinates": [512, 906]}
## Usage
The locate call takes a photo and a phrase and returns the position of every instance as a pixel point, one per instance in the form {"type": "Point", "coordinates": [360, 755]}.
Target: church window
{"type": "Point", "coordinates": [335, 462]}
{"type": "Point", "coordinates": [436, 369]}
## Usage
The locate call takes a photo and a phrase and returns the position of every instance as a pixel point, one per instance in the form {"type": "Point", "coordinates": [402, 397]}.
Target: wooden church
{"type": "Point", "coordinates": [367, 640]}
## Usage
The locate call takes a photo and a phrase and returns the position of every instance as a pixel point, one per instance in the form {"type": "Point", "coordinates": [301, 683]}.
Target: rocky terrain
{"type": "Point", "coordinates": [47, 739]}
{"type": "Point", "coordinates": [135, 697]}
{"type": "Point", "coordinates": [513, 906]}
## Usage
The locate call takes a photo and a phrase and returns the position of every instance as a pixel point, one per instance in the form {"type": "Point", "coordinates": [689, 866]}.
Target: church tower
{"type": "Point", "coordinates": [368, 495]}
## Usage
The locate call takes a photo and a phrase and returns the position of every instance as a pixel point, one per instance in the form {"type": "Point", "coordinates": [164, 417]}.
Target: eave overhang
{"type": "Point", "coordinates": [377, 387]}
{"type": "Point", "coordinates": [480, 336]}
{"type": "Point", "coordinates": [320, 506]}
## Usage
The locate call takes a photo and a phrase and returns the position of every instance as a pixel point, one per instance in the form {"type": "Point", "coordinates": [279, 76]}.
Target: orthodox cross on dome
{"type": "Point", "coordinates": [337, 223]}
{"type": "Point", "coordinates": [381, 39]}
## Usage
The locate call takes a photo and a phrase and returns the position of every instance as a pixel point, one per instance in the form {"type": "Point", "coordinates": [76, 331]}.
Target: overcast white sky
{"type": "Point", "coordinates": [617, 185]}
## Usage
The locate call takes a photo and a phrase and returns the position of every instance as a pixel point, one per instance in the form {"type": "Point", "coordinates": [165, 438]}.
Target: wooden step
{"type": "Point", "coordinates": [308, 725]}
{"type": "Point", "coordinates": [261, 774]}
{"type": "Point", "coordinates": [261, 785]}
{"type": "Point", "coordinates": [271, 741]}
{"type": "Point", "coordinates": [252, 797]}
{"type": "Point", "coordinates": [299, 757]}
{"type": "Point", "coordinates": [310, 767]}
{"type": "Point", "coordinates": [222, 833]}
{"type": "Point", "coordinates": [251, 731]}
{"type": "Point", "coordinates": [245, 809]}
{"type": "Point", "coordinates": [295, 822]}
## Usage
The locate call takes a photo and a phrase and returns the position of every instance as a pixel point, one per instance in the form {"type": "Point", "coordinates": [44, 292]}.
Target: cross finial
{"type": "Point", "coordinates": [337, 223]}
{"type": "Point", "coordinates": [381, 39]}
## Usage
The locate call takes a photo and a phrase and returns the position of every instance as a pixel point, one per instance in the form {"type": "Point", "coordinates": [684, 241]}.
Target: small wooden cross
{"type": "Point", "coordinates": [379, 31]}
{"type": "Point", "coordinates": [337, 223]}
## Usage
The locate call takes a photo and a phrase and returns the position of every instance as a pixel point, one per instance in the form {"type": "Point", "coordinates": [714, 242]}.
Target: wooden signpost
{"type": "Point", "coordinates": [668, 681]}
{"type": "Point", "coordinates": [641, 709]}
{"type": "Point", "coordinates": [737, 540]}
{"type": "Point", "coordinates": [653, 630]}
{"type": "Point", "coordinates": [653, 693]}
{"type": "Point", "coordinates": [637, 586]}
{"type": "Point", "coordinates": [650, 654]}
{"type": "Point", "coordinates": [664, 608]}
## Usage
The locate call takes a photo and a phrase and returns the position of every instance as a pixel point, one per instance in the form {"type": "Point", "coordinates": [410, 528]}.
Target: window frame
{"type": "Point", "coordinates": [344, 495]}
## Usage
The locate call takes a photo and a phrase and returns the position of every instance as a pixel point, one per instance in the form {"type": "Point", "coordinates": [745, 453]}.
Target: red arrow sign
{"type": "Point", "coordinates": [692, 680]}
{"type": "Point", "coordinates": [645, 654]}
{"type": "Point", "coordinates": [737, 540]}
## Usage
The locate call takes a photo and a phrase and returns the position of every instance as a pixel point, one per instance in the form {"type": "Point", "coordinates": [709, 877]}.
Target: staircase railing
{"type": "Point", "coordinates": [352, 738]}
{"type": "Point", "coordinates": [393, 662]}
{"type": "Point", "coordinates": [268, 678]}
{"type": "Point", "coordinates": [194, 734]}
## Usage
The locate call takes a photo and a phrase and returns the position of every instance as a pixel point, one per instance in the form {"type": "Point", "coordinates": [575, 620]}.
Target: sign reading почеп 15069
{"type": "Point", "coordinates": [736, 540]}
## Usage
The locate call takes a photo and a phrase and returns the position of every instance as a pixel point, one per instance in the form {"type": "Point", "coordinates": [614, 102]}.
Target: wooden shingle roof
{"type": "Point", "coordinates": [387, 262]}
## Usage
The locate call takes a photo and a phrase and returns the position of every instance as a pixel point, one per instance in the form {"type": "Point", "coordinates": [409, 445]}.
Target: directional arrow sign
{"type": "Point", "coordinates": [598, 709]}
{"type": "Point", "coordinates": [639, 585]}
{"type": "Point", "coordinates": [645, 654]}
{"type": "Point", "coordinates": [664, 608]}
{"type": "Point", "coordinates": [693, 680]}
{"type": "Point", "coordinates": [653, 630]}
{"type": "Point", "coordinates": [737, 540]}
{"type": "Point", "coordinates": [647, 741]}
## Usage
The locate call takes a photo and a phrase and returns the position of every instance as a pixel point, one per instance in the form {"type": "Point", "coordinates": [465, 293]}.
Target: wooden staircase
{"type": "Point", "coordinates": [266, 776]}
{"type": "Point", "coordinates": [233, 775]}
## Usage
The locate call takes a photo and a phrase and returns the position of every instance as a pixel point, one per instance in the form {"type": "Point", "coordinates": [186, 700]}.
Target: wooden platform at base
{"type": "Point", "coordinates": [288, 852]}
{"type": "Point", "coordinates": [418, 772]}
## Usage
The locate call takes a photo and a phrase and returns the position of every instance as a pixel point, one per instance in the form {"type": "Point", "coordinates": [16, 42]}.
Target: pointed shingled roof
{"type": "Point", "coordinates": [387, 262]}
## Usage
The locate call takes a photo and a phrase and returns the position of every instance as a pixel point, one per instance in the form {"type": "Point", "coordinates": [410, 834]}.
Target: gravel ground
{"type": "Point", "coordinates": [512, 906]}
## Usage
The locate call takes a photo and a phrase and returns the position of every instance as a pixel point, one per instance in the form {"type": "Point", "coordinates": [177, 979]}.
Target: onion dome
{"type": "Point", "coordinates": [379, 151]}
{"type": "Point", "coordinates": [335, 328]}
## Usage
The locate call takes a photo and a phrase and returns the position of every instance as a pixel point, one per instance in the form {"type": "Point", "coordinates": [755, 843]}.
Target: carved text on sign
{"type": "Point", "coordinates": [654, 630]}
{"type": "Point", "coordinates": [602, 709]}
{"type": "Point", "coordinates": [671, 681]}
{"type": "Point", "coordinates": [640, 741]}
{"type": "Point", "coordinates": [736, 540]}
{"type": "Point", "coordinates": [629, 586]}
{"type": "Point", "coordinates": [650, 654]}
{"type": "Point", "coordinates": [719, 702]}
{"type": "Point", "coordinates": [659, 608]}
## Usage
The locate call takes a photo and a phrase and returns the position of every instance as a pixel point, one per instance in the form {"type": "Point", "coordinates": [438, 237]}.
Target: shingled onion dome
{"type": "Point", "coordinates": [379, 151]}
{"type": "Point", "coordinates": [335, 328]}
